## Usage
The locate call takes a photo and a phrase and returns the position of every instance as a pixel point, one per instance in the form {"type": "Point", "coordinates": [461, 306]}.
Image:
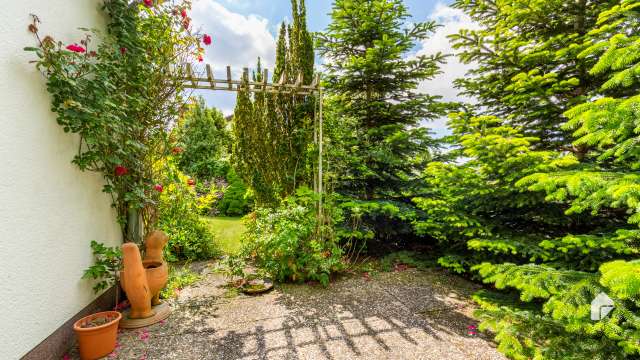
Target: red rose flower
{"type": "Point", "coordinates": [148, 3]}
{"type": "Point", "coordinates": [177, 150]}
{"type": "Point", "coordinates": [183, 13]}
{"type": "Point", "coordinates": [200, 58]}
{"type": "Point", "coordinates": [191, 182]}
{"type": "Point", "coordinates": [123, 50]}
{"type": "Point", "coordinates": [121, 170]}
{"type": "Point", "coordinates": [206, 39]}
{"type": "Point", "coordinates": [158, 188]}
{"type": "Point", "coordinates": [76, 48]}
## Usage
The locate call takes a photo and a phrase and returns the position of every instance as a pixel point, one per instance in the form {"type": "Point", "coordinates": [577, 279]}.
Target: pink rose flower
{"type": "Point", "coordinates": [121, 170]}
{"type": "Point", "coordinates": [76, 48]}
{"type": "Point", "coordinates": [206, 39]}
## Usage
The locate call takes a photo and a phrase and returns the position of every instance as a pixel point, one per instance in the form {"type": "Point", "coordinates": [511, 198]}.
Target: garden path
{"type": "Point", "coordinates": [399, 315]}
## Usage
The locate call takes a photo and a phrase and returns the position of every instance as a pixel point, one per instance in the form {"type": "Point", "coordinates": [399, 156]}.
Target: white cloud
{"type": "Point", "coordinates": [451, 20]}
{"type": "Point", "coordinates": [238, 40]}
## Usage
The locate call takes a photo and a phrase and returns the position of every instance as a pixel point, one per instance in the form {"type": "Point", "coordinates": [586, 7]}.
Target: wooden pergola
{"type": "Point", "coordinates": [207, 81]}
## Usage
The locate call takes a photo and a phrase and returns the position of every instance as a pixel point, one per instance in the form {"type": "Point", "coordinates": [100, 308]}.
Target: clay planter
{"type": "Point", "coordinates": [97, 341]}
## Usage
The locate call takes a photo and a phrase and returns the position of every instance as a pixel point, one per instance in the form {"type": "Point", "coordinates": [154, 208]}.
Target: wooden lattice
{"type": "Point", "coordinates": [193, 81]}
{"type": "Point", "coordinates": [210, 82]}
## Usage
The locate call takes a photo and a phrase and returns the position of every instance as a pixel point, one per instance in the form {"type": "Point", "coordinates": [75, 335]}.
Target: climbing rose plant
{"type": "Point", "coordinates": [120, 95]}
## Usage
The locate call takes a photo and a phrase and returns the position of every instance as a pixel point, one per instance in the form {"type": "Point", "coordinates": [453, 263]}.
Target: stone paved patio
{"type": "Point", "coordinates": [400, 315]}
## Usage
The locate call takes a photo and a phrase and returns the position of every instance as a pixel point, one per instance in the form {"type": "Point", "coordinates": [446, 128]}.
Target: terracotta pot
{"type": "Point", "coordinates": [157, 276]}
{"type": "Point", "coordinates": [99, 341]}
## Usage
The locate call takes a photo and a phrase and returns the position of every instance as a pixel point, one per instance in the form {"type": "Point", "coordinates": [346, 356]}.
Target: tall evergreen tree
{"type": "Point", "coordinates": [373, 82]}
{"type": "Point", "coordinates": [501, 204]}
{"type": "Point", "coordinates": [274, 131]}
{"type": "Point", "coordinates": [529, 72]}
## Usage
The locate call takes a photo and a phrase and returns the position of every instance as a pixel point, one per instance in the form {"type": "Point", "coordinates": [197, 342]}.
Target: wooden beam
{"type": "Point", "coordinates": [229, 78]}
{"type": "Point", "coordinates": [237, 88]}
{"type": "Point", "coordinates": [210, 76]}
{"type": "Point", "coordinates": [316, 81]}
{"type": "Point", "coordinates": [210, 82]}
{"type": "Point", "coordinates": [190, 75]}
{"type": "Point", "coordinates": [298, 83]}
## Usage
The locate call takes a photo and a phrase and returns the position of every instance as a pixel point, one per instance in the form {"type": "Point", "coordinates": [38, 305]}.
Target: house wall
{"type": "Point", "coordinates": [49, 210]}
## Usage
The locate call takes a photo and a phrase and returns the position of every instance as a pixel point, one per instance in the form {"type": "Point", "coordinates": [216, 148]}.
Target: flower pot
{"type": "Point", "coordinates": [97, 341]}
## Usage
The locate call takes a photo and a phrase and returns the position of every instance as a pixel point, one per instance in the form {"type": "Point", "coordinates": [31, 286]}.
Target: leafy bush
{"type": "Point", "coordinates": [234, 201]}
{"type": "Point", "coordinates": [189, 236]}
{"type": "Point", "coordinates": [284, 242]}
{"type": "Point", "coordinates": [207, 198]}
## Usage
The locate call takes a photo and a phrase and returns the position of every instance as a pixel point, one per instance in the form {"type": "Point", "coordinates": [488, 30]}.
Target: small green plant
{"type": "Point", "coordinates": [233, 267]}
{"type": "Point", "coordinates": [108, 261]}
{"type": "Point", "coordinates": [179, 278]}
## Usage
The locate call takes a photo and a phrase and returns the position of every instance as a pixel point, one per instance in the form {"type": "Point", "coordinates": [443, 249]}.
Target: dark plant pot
{"type": "Point", "coordinates": [97, 341]}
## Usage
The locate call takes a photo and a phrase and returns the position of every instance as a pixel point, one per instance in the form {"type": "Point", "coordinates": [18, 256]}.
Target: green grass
{"type": "Point", "coordinates": [228, 231]}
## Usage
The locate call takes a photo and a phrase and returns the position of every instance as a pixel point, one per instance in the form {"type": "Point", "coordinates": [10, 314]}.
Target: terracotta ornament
{"type": "Point", "coordinates": [143, 280]}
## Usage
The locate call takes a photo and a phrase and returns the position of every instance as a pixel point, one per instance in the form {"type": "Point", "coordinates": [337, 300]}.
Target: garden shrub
{"type": "Point", "coordinates": [207, 198]}
{"type": "Point", "coordinates": [190, 238]}
{"type": "Point", "coordinates": [234, 201]}
{"type": "Point", "coordinates": [284, 241]}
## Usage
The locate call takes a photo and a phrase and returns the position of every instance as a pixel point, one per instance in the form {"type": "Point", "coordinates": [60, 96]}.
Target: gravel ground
{"type": "Point", "coordinates": [399, 315]}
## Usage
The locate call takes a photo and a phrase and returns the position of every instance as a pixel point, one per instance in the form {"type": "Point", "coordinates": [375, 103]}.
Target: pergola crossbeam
{"type": "Point", "coordinates": [193, 81]}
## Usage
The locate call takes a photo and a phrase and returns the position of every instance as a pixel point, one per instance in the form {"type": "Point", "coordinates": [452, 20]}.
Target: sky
{"type": "Point", "coordinates": [244, 30]}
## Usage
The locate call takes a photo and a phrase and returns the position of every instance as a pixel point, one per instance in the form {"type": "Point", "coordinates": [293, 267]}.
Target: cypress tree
{"type": "Point", "coordinates": [279, 155]}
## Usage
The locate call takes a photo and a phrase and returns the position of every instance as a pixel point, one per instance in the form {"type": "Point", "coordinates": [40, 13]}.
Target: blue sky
{"type": "Point", "coordinates": [242, 30]}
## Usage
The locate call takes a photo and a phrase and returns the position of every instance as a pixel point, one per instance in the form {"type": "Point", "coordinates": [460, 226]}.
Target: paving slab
{"type": "Point", "coordinates": [398, 315]}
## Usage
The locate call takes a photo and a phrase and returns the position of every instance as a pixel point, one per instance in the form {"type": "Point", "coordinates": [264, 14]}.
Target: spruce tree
{"type": "Point", "coordinates": [372, 81]}
{"type": "Point", "coordinates": [529, 72]}
{"type": "Point", "coordinates": [552, 266]}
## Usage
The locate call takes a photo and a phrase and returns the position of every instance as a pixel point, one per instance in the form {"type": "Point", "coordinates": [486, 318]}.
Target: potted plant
{"type": "Point", "coordinates": [97, 334]}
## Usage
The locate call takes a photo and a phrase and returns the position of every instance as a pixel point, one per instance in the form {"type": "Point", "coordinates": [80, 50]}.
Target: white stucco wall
{"type": "Point", "coordinates": [49, 210]}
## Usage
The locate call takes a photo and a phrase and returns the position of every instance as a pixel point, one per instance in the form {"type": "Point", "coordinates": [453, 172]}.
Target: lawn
{"type": "Point", "coordinates": [228, 231]}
